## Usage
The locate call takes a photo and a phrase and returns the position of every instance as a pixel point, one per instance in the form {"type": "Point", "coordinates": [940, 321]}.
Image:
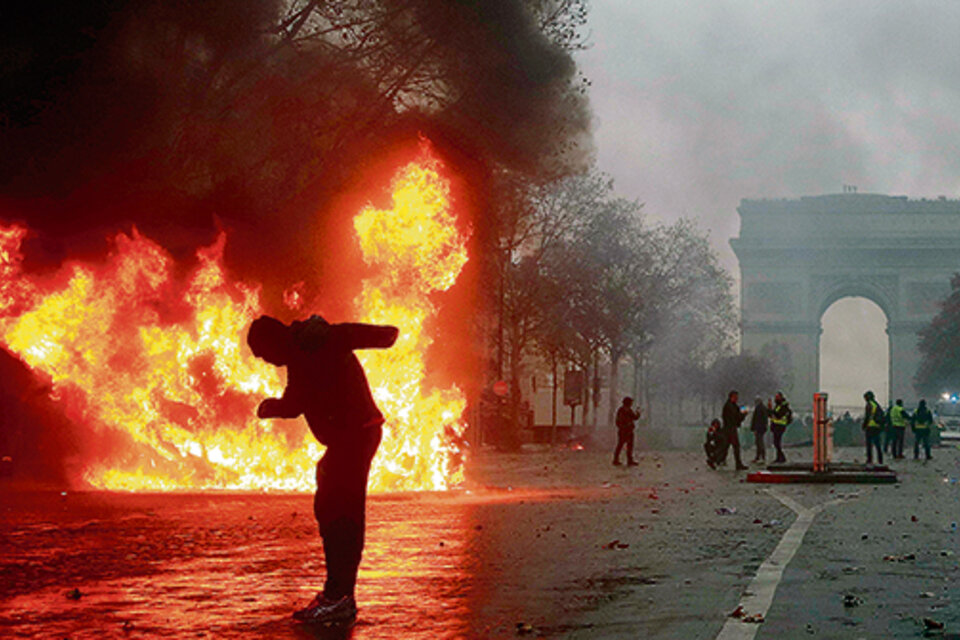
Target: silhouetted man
{"type": "Point", "coordinates": [732, 417]}
{"type": "Point", "coordinates": [758, 424]}
{"type": "Point", "coordinates": [326, 384]}
{"type": "Point", "coordinates": [626, 416]}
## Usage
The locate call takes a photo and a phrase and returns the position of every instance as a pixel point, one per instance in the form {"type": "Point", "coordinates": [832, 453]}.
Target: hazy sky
{"type": "Point", "coordinates": [699, 105]}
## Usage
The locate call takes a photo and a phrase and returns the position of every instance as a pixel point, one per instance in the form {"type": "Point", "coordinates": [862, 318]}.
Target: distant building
{"type": "Point", "coordinates": [799, 256]}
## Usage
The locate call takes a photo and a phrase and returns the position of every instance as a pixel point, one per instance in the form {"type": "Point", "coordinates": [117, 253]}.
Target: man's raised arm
{"type": "Point", "coordinates": [357, 335]}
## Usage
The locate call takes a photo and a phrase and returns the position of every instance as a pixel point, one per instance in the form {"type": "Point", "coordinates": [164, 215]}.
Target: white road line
{"type": "Point", "coordinates": [759, 594]}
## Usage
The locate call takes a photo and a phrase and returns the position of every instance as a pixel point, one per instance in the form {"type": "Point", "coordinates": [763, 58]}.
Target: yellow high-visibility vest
{"type": "Point", "coordinates": [774, 419]}
{"type": "Point", "coordinates": [897, 418]}
{"type": "Point", "coordinates": [871, 422]}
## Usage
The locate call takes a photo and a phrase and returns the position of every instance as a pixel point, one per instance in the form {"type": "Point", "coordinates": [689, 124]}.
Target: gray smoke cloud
{"type": "Point", "coordinates": [701, 105]}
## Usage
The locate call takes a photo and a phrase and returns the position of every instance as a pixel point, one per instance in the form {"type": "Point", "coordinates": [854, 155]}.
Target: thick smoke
{"type": "Point", "coordinates": [183, 117]}
{"type": "Point", "coordinates": [271, 121]}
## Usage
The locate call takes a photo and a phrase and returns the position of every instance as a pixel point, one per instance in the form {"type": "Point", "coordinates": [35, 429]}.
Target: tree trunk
{"type": "Point", "coordinates": [595, 388]}
{"type": "Point", "coordinates": [585, 416]}
{"type": "Point", "coordinates": [553, 401]}
{"type": "Point", "coordinates": [614, 385]}
{"type": "Point", "coordinates": [637, 387]}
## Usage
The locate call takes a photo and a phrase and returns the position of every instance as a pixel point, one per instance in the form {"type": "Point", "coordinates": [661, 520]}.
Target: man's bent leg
{"type": "Point", "coordinates": [340, 509]}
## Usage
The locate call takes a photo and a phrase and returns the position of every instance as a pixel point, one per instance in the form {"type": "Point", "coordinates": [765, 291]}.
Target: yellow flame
{"type": "Point", "coordinates": [416, 250]}
{"type": "Point", "coordinates": [130, 349]}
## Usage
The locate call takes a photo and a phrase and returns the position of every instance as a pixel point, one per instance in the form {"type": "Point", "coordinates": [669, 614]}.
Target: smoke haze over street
{"type": "Point", "coordinates": [699, 106]}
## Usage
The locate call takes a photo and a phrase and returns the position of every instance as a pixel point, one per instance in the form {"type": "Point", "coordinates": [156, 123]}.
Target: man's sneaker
{"type": "Point", "coordinates": [632, 463]}
{"type": "Point", "coordinates": [616, 463]}
{"type": "Point", "coordinates": [323, 610]}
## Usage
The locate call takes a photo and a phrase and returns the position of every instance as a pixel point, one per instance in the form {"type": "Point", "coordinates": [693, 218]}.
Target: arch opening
{"type": "Point", "coordinates": [854, 352]}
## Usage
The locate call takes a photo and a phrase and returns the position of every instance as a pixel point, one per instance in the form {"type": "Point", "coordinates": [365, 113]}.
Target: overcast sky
{"type": "Point", "coordinates": [701, 104]}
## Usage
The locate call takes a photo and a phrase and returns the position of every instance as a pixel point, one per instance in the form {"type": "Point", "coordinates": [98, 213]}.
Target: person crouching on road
{"type": "Point", "coordinates": [626, 416]}
{"type": "Point", "coordinates": [873, 423]}
{"type": "Point", "coordinates": [714, 445]}
{"type": "Point", "coordinates": [758, 424]}
{"type": "Point", "coordinates": [732, 418]}
{"type": "Point", "coordinates": [327, 385]}
{"type": "Point", "coordinates": [922, 424]}
{"type": "Point", "coordinates": [780, 416]}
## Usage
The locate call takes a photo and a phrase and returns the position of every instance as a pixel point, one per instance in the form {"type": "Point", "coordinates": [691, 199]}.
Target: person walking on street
{"type": "Point", "coordinates": [922, 424]}
{"type": "Point", "coordinates": [873, 421]}
{"type": "Point", "coordinates": [758, 424]}
{"type": "Point", "coordinates": [898, 422]}
{"type": "Point", "coordinates": [780, 417]}
{"type": "Point", "coordinates": [732, 418]}
{"type": "Point", "coordinates": [626, 416]}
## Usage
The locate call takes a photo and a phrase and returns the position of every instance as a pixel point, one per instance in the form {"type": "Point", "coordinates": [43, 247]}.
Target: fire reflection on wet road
{"type": "Point", "coordinates": [237, 565]}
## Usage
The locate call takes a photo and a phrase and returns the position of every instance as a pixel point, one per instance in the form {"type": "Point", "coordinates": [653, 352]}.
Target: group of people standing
{"type": "Point", "coordinates": [722, 436]}
{"type": "Point", "coordinates": [891, 427]}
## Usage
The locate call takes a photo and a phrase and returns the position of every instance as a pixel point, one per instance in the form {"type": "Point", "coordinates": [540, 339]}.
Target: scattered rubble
{"type": "Point", "coordinates": [850, 600]}
{"type": "Point", "coordinates": [740, 614]}
{"type": "Point", "coordinates": [904, 558]}
{"type": "Point", "coordinates": [615, 544]}
{"type": "Point", "coordinates": [524, 628]}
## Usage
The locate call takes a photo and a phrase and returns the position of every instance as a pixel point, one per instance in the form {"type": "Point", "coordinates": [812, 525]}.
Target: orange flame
{"type": "Point", "coordinates": [417, 250]}
{"type": "Point", "coordinates": [128, 347]}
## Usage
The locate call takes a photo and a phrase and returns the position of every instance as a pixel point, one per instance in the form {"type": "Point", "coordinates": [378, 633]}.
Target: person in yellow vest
{"type": "Point", "coordinates": [898, 420]}
{"type": "Point", "coordinates": [873, 422]}
{"type": "Point", "coordinates": [922, 425]}
{"type": "Point", "coordinates": [780, 417]}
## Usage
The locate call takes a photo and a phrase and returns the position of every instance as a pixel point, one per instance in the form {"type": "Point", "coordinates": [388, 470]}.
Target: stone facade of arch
{"type": "Point", "coordinates": [799, 256]}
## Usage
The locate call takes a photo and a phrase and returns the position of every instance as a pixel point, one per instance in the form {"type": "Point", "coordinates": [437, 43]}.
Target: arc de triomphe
{"type": "Point", "coordinates": [797, 257]}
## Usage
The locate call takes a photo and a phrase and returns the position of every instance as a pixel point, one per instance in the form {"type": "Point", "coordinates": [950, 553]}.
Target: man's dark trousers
{"type": "Point", "coordinates": [732, 439]}
{"type": "Point", "coordinates": [339, 505]}
{"type": "Point", "coordinates": [898, 436]}
{"type": "Point", "coordinates": [873, 440]}
{"type": "Point", "coordinates": [624, 437]}
{"type": "Point", "coordinates": [777, 430]}
{"type": "Point", "coordinates": [760, 445]}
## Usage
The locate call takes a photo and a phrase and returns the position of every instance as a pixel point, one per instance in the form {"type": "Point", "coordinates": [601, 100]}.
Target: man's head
{"type": "Point", "coordinates": [269, 339]}
{"type": "Point", "coordinates": [899, 402]}
{"type": "Point", "coordinates": [627, 401]}
{"type": "Point", "coordinates": [758, 400]}
{"type": "Point", "coordinates": [778, 397]}
{"type": "Point", "coordinates": [733, 396]}
{"type": "Point", "coordinates": [868, 396]}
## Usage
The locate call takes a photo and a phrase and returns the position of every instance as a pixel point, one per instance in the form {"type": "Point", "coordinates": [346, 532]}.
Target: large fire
{"type": "Point", "coordinates": [129, 346]}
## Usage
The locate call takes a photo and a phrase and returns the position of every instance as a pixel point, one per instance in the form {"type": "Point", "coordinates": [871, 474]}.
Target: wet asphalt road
{"type": "Point", "coordinates": [558, 542]}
